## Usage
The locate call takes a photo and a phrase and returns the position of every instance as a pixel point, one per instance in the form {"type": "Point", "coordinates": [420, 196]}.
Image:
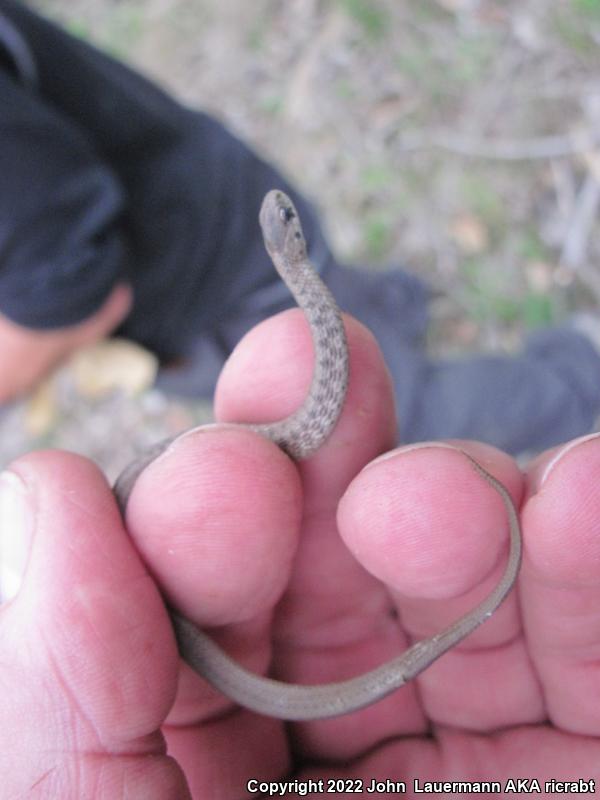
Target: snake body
{"type": "Point", "coordinates": [300, 435]}
{"type": "Point", "coordinates": [304, 431]}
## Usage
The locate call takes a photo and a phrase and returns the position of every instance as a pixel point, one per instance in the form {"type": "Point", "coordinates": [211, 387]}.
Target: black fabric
{"type": "Point", "coordinates": [103, 177]}
{"type": "Point", "coordinates": [61, 249]}
{"type": "Point", "coordinates": [16, 55]}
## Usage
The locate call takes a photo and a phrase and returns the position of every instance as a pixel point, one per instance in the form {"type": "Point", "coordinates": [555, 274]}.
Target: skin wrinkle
{"type": "Point", "coordinates": [42, 778]}
{"type": "Point", "coordinates": [77, 711]}
{"type": "Point", "coordinates": [300, 435]}
{"type": "Point", "coordinates": [98, 519]}
{"type": "Point", "coordinates": [89, 617]}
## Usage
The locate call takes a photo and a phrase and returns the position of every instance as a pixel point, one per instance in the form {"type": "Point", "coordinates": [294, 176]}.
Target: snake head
{"type": "Point", "coordinates": [281, 227]}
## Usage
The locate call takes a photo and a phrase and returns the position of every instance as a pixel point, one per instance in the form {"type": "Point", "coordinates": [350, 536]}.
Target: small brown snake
{"type": "Point", "coordinates": [300, 435]}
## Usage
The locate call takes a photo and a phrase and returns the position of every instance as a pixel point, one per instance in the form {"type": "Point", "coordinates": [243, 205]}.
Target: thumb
{"type": "Point", "coordinates": [88, 664]}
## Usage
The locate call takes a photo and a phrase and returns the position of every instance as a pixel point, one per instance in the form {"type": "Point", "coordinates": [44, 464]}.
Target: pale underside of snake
{"type": "Point", "coordinates": [300, 435]}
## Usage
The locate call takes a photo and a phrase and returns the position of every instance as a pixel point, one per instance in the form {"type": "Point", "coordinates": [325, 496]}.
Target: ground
{"type": "Point", "coordinates": [459, 138]}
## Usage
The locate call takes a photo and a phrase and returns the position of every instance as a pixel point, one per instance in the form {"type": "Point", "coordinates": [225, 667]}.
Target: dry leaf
{"type": "Point", "coordinates": [455, 6]}
{"type": "Point", "coordinates": [469, 233]}
{"type": "Point", "coordinates": [592, 161]}
{"type": "Point", "coordinates": [539, 276]}
{"type": "Point", "coordinates": [41, 410]}
{"type": "Point", "coordinates": [113, 364]}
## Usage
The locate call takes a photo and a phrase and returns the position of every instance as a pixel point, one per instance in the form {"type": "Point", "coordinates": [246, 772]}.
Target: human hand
{"type": "Point", "coordinates": [226, 525]}
{"type": "Point", "coordinates": [28, 355]}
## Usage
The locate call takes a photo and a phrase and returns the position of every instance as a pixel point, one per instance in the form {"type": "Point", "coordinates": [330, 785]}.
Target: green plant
{"type": "Point", "coordinates": [488, 296]}
{"type": "Point", "coordinates": [370, 15]}
{"type": "Point", "coordinates": [589, 7]}
{"type": "Point", "coordinates": [481, 198]}
{"type": "Point", "coordinates": [377, 176]}
{"type": "Point", "coordinates": [531, 248]}
{"type": "Point", "coordinates": [377, 234]}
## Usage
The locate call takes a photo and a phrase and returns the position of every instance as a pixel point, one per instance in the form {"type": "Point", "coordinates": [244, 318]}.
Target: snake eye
{"type": "Point", "coordinates": [286, 213]}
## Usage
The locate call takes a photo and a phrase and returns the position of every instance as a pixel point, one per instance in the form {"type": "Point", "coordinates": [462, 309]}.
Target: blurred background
{"type": "Point", "coordinates": [458, 138]}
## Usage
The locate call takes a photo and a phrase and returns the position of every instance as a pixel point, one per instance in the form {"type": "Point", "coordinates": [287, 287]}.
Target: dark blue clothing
{"type": "Point", "coordinates": [104, 178]}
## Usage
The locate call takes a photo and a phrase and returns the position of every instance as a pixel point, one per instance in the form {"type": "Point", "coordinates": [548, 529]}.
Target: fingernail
{"type": "Point", "coordinates": [207, 427]}
{"type": "Point", "coordinates": [15, 533]}
{"type": "Point", "coordinates": [407, 449]}
{"type": "Point", "coordinates": [563, 452]}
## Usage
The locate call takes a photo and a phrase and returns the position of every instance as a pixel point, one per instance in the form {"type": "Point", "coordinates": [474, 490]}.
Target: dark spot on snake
{"type": "Point", "coordinates": [298, 235]}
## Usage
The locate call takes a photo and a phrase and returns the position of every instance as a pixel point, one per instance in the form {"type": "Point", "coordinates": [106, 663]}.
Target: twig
{"type": "Point", "coordinates": [588, 274]}
{"type": "Point", "coordinates": [542, 147]}
{"type": "Point", "coordinates": [585, 211]}
{"type": "Point", "coordinates": [576, 240]}
{"type": "Point", "coordinates": [565, 189]}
